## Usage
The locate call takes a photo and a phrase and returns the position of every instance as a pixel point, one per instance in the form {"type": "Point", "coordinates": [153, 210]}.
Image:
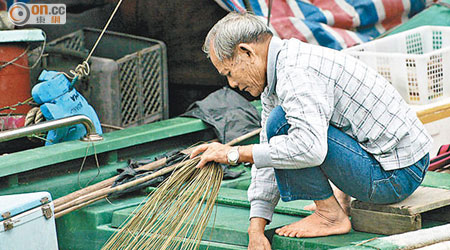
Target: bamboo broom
{"type": "Point", "coordinates": [174, 216]}
{"type": "Point", "coordinates": [110, 190]}
{"type": "Point", "coordinates": [98, 191]}
{"type": "Point", "coordinates": [103, 184]}
{"type": "Point", "coordinates": [61, 203]}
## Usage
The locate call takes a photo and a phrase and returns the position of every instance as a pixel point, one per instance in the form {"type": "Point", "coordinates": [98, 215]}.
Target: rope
{"type": "Point", "coordinates": [83, 68]}
{"type": "Point", "coordinates": [104, 29]}
{"type": "Point", "coordinates": [6, 63]}
{"type": "Point", "coordinates": [84, 160]}
{"type": "Point", "coordinates": [111, 126]}
{"type": "Point", "coordinates": [41, 138]}
{"type": "Point", "coordinates": [12, 62]}
{"type": "Point", "coordinates": [34, 116]}
{"type": "Point", "coordinates": [13, 107]}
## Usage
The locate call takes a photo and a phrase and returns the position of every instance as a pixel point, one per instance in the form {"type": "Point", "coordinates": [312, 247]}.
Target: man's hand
{"type": "Point", "coordinates": [258, 241]}
{"type": "Point", "coordinates": [218, 152]}
{"type": "Point", "coordinates": [211, 152]}
{"type": "Point", "coordinates": [256, 237]}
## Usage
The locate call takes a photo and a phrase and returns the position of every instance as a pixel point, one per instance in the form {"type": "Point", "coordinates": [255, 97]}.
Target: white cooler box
{"type": "Point", "coordinates": [27, 222]}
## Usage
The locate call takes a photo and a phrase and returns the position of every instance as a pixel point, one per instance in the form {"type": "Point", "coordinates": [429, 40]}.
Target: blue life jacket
{"type": "Point", "coordinates": [59, 99]}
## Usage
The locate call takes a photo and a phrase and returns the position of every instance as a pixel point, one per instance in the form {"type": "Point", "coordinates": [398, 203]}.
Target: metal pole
{"type": "Point", "coordinates": [91, 132]}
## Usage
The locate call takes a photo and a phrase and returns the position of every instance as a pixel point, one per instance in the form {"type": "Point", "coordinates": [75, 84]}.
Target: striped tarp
{"type": "Point", "coordinates": [336, 24]}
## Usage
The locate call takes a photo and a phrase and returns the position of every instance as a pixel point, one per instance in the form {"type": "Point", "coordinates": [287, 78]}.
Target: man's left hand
{"type": "Point", "coordinates": [215, 151]}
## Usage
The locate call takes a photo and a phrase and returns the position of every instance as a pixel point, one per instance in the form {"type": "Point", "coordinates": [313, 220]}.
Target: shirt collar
{"type": "Point", "coordinates": [272, 57]}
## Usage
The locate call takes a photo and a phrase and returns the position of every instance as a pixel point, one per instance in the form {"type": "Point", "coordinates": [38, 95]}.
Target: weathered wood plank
{"type": "Point", "coordinates": [422, 200]}
{"type": "Point", "coordinates": [384, 223]}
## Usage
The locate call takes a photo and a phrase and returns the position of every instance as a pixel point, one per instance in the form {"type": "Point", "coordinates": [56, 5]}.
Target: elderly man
{"type": "Point", "coordinates": [326, 117]}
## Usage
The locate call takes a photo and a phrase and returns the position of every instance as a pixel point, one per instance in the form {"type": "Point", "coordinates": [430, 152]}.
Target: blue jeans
{"type": "Point", "coordinates": [348, 166]}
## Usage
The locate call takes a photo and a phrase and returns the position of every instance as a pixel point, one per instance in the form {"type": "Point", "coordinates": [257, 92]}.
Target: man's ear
{"type": "Point", "coordinates": [247, 50]}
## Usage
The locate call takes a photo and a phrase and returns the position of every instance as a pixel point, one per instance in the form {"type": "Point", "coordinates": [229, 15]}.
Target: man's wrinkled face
{"type": "Point", "coordinates": [244, 70]}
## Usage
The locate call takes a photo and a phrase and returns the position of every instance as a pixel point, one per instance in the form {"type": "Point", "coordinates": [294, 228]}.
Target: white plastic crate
{"type": "Point", "coordinates": [416, 62]}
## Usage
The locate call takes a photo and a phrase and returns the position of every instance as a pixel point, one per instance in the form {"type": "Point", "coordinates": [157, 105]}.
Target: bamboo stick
{"type": "Point", "coordinates": [244, 137]}
{"type": "Point", "coordinates": [103, 184]}
{"type": "Point", "coordinates": [68, 210]}
{"type": "Point", "coordinates": [108, 182]}
{"type": "Point", "coordinates": [109, 190]}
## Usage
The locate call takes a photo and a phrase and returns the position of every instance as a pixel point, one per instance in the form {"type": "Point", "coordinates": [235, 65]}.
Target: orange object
{"type": "Point", "coordinates": [14, 80]}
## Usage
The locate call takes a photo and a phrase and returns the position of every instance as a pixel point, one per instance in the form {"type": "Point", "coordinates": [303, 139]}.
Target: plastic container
{"type": "Point", "coordinates": [14, 80]}
{"type": "Point", "coordinates": [128, 83]}
{"type": "Point", "coordinates": [416, 62]}
{"type": "Point", "coordinates": [27, 222]}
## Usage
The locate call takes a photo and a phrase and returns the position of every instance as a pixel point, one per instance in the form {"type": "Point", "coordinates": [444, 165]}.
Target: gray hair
{"type": "Point", "coordinates": [233, 29]}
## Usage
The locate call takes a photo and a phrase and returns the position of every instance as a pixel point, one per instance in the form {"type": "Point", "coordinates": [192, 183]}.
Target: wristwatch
{"type": "Point", "coordinates": [233, 156]}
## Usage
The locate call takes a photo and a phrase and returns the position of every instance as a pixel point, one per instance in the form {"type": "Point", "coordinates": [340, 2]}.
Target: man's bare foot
{"type": "Point", "coordinates": [328, 219]}
{"type": "Point", "coordinates": [310, 207]}
{"type": "Point", "coordinates": [343, 199]}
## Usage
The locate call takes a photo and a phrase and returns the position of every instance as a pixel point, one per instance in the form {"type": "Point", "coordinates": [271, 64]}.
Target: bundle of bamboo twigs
{"type": "Point", "coordinates": [176, 214]}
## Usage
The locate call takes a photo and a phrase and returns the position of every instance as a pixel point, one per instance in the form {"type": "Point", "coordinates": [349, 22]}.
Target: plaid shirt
{"type": "Point", "coordinates": [318, 87]}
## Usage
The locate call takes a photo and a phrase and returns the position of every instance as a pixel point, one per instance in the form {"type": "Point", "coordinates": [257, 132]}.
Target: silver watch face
{"type": "Point", "coordinates": [233, 156]}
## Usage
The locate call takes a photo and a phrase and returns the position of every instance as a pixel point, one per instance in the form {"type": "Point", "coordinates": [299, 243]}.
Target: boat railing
{"type": "Point", "coordinates": [91, 134]}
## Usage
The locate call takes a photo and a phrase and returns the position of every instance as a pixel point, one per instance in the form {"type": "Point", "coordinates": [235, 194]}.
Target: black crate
{"type": "Point", "coordinates": [128, 83]}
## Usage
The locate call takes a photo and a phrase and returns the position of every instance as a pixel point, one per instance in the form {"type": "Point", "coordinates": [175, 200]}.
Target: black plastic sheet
{"type": "Point", "coordinates": [228, 112]}
{"type": "Point", "coordinates": [131, 173]}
